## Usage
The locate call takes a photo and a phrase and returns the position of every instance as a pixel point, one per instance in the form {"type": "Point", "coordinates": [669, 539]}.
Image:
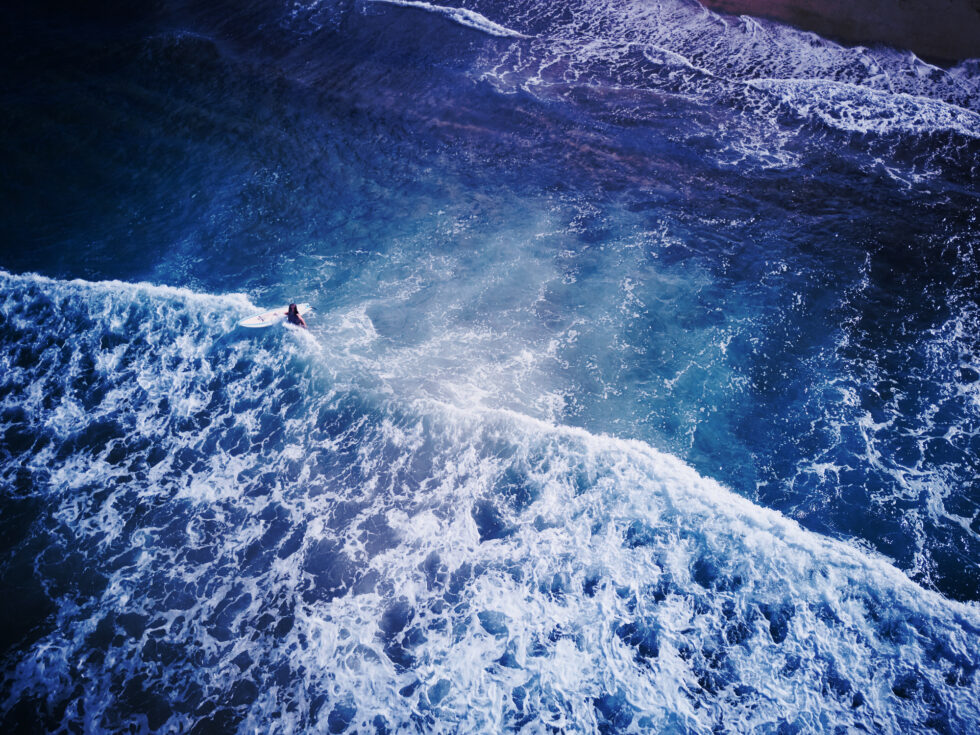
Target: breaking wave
{"type": "Point", "coordinates": [246, 532]}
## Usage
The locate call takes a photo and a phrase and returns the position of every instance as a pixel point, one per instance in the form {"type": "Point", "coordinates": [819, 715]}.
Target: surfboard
{"type": "Point", "coordinates": [268, 318]}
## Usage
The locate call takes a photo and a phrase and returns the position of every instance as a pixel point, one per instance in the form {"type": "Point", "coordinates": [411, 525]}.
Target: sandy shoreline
{"type": "Point", "coordinates": [947, 30]}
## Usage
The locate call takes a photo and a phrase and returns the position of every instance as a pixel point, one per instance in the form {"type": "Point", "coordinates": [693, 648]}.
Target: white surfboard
{"type": "Point", "coordinates": [268, 318]}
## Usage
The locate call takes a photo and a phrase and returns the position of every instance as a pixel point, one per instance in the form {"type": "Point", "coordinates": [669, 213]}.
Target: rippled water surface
{"type": "Point", "coordinates": [641, 391]}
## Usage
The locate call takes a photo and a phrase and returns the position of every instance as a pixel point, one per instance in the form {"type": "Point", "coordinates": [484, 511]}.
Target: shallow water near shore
{"type": "Point", "coordinates": [641, 390]}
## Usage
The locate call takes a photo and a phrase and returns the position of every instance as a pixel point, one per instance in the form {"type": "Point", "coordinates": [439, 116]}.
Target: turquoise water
{"type": "Point", "coordinates": [641, 390]}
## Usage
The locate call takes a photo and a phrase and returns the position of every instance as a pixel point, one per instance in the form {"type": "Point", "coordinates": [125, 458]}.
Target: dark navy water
{"type": "Point", "coordinates": [641, 391]}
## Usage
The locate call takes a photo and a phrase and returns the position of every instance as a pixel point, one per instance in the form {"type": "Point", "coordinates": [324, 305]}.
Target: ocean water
{"type": "Point", "coordinates": [641, 391]}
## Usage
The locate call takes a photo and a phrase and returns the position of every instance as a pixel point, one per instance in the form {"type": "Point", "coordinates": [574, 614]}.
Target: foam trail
{"type": "Point", "coordinates": [858, 109]}
{"type": "Point", "coordinates": [131, 290]}
{"type": "Point", "coordinates": [463, 16]}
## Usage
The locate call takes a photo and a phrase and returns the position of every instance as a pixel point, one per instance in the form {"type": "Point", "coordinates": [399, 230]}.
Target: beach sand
{"type": "Point", "coordinates": [946, 30]}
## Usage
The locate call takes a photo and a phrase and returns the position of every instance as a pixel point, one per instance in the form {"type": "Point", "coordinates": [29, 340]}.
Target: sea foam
{"type": "Point", "coordinates": [259, 536]}
{"type": "Point", "coordinates": [463, 16]}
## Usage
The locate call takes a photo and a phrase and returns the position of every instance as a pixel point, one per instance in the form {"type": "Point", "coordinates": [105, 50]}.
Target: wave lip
{"type": "Point", "coordinates": [463, 16]}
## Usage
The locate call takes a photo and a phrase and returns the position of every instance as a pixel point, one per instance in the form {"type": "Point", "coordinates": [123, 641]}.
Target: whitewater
{"type": "Point", "coordinates": [437, 564]}
{"type": "Point", "coordinates": [641, 390]}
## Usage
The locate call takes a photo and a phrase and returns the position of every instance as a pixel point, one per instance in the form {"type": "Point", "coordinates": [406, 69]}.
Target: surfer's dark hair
{"type": "Point", "coordinates": [293, 308]}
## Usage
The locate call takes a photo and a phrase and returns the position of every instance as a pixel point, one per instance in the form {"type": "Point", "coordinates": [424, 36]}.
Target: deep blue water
{"type": "Point", "coordinates": [641, 391]}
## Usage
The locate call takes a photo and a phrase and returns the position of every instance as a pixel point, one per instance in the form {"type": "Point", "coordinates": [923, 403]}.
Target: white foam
{"type": "Point", "coordinates": [463, 16]}
{"type": "Point", "coordinates": [674, 554]}
{"type": "Point", "coordinates": [859, 109]}
{"type": "Point", "coordinates": [678, 48]}
{"type": "Point", "coordinates": [124, 288]}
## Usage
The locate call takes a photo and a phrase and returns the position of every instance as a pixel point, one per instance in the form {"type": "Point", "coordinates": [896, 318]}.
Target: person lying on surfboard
{"type": "Point", "coordinates": [293, 317]}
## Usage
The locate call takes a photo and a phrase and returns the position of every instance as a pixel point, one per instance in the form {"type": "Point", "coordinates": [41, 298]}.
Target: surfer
{"type": "Point", "coordinates": [293, 317]}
